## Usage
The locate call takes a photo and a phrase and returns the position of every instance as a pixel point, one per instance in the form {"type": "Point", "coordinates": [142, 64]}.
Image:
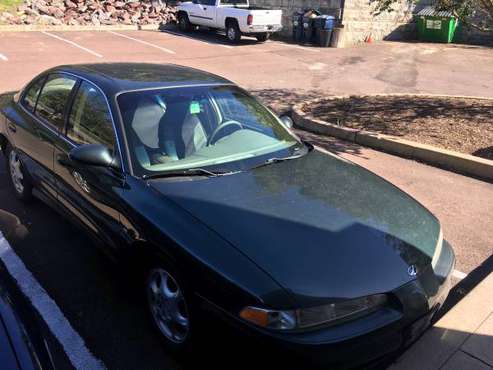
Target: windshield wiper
{"type": "Point", "coordinates": [277, 160]}
{"type": "Point", "coordinates": [188, 172]}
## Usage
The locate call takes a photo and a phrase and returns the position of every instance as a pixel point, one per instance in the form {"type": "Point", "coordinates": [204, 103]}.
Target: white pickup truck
{"type": "Point", "coordinates": [237, 17]}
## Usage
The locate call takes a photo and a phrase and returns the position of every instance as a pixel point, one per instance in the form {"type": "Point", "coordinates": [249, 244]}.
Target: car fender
{"type": "Point", "coordinates": [218, 271]}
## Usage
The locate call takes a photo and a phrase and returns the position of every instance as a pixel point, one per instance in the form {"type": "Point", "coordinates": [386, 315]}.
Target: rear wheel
{"type": "Point", "coordinates": [20, 182]}
{"type": "Point", "coordinates": [233, 33]}
{"type": "Point", "coordinates": [263, 37]}
{"type": "Point", "coordinates": [184, 23]}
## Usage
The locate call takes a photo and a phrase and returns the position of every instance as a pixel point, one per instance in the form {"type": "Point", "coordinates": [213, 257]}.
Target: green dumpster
{"type": "Point", "coordinates": [436, 25]}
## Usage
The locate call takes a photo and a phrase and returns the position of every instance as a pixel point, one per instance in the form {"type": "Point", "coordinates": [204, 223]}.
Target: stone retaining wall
{"type": "Point", "coordinates": [360, 21]}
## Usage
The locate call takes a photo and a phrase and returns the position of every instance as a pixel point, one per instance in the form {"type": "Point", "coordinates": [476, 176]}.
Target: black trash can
{"type": "Point", "coordinates": [297, 26]}
{"type": "Point", "coordinates": [308, 29]}
{"type": "Point", "coordinates": [324, 24]}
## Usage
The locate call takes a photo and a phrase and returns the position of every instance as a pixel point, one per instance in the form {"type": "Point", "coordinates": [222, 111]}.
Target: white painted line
{"type": "Point", "coordinates": [297, 47]}
{"type": "Point", "coordinates": [3, 57]}
{"type": "Point", "coordinates": [78, 354]}
{"type": "Point", "coordinates": [197, 39]}
{"type": "Point", "coordinates": [72, 43]}
{"type": "Point", "coordinates": [143, 42]}
{"type": "Point", "coordinates": [317, 66]}
{"type": "Point", "coordinates": [459, 274]}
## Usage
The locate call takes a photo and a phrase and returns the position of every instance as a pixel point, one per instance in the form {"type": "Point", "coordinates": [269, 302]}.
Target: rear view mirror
{"type": "Point", "coordinates": [93, 155]}
{"type": "Point", "coordinates": [286, 121]}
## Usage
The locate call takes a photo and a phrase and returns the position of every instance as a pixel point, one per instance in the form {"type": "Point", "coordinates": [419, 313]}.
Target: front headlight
{"type": "Point", "coordinates": [303, 318]}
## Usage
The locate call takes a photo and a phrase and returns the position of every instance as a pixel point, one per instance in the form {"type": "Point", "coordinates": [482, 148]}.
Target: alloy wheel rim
{"type": "Point", "coordinates": [168, 306]}
{"type": "Point", "coordinates": [231, 33]}
{"type": "Point", "coordinates": [16, 172]}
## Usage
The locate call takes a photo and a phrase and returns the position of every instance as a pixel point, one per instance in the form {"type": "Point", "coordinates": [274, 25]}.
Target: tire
{"type": "Point", "coordinates": [18, 176]}
{"type": "Point", "coordinates": [184, 23]}
{"type": "Point", "coordinates": [263, 37]}
{"type": "Point", "coordinates": [178, 334]}
{"type": "Point", "coordinates": [233, 32]}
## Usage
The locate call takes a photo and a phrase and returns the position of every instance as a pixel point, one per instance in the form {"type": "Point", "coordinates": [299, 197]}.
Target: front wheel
{"type": "Point", "coordinates": [233, 33]}
{"type": "Point", "coordinates": [171, 308]}
{"type": "Point", "coordinates": [263, 37]}
{"type": "Point", "coordinates": [18, 179]}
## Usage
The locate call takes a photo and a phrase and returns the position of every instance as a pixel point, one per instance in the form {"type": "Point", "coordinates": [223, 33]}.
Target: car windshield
{"type": "Point", "coordinates": [194, 127]}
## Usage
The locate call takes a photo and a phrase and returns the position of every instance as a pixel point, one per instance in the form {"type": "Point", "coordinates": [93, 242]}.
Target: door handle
{"type": "Point", "coordinates": [11, 127]}
{"type": "Point", "coordinates": [205, 8]}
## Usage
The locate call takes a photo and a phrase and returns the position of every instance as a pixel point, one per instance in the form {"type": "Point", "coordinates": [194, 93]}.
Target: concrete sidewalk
{"type": "Point", "coordinates": [461, 340]}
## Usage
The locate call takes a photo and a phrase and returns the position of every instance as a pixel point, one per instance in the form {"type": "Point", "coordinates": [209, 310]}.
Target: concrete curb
{"type": "Point", "coordinates": [448, 159]}
{"type": "Point", "coordinates": [30, 28]}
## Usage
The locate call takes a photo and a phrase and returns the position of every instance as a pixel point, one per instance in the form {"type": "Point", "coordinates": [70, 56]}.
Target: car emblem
{"type": "Point", "coordinates": [412, 270]}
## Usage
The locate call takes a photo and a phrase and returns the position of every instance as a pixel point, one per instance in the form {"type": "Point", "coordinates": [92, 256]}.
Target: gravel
{"type": "Point", "coordinates": [459, 124]}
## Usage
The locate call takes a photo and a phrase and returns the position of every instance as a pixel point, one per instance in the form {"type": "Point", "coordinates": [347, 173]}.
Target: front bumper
{"type": "Point", "coordinates": [373, 337]}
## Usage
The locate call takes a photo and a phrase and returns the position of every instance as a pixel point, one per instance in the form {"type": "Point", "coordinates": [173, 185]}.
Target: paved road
{"type": "Point", "coordinates": [100, 300]}
{"type": "Point", "coordinates": [384, 67]}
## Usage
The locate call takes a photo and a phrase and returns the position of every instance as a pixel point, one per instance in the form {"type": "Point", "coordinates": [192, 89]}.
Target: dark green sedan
{"type": "Point", "coordinates": [185, 173]}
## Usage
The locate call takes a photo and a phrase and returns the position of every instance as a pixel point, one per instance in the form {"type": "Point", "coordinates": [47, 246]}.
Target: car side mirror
{"type": "Point", "coordinates": [286, 121]}
{"type": "Point", "coordinates": [93, 155]}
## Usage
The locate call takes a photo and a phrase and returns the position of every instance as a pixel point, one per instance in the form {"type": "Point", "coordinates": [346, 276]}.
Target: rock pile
{"type": "Point", "coordinates": [90, 12]}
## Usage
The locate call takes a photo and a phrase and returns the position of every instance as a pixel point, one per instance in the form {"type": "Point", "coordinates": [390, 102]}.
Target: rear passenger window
{"type": "Point", "coordinates": [53, 98]}
{"type": "Point", "coordinates": [31, 95]}
{"type": "Point", "coordinates": [90, 120]}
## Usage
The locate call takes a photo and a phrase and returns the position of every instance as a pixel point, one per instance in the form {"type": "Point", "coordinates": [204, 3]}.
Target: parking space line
{"type": "Point", "coordinates": [143, 42]}
{"type": "Point", "coordinates": [295, 47]}
{"type": "Point", "coordinates": [3, 57]}
{"type": "Point", "coordinates": [72, 43]}
{"type": "Point", "coordinates": [197, 39]}
{"type": "Point", "coordinates": [73, 345]}
{"type": "Point", "coordinates": [459, 274]}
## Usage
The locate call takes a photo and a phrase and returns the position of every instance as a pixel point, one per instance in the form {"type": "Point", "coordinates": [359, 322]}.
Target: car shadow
{"type": "Point", "coordinates": [462, 288]}
{"type": "Point", "coordinates": [207, 35]}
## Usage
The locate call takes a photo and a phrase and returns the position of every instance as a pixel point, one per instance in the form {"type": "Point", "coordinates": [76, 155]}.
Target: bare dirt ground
{"type": "Point", "coordinates": [463, 125]}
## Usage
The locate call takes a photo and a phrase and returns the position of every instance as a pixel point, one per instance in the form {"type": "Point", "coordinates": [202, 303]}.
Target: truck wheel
{"type": "Point", "coordinates": [184, 23]}
{"type": "Point", "coordinates": [233, 33]}
{"type": "Point", "coordinates": [263, 37]}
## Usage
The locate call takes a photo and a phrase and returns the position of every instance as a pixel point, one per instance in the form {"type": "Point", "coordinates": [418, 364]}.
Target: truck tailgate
{"type": "Point", "coordinates": [266, 17]}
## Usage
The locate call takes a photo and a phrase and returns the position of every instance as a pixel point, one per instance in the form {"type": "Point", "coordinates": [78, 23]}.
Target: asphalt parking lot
{"type": "Point", "coordinates": [100, 300]}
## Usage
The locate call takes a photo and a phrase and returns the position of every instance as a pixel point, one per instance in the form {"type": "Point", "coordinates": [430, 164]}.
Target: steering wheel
{"type": "Point", "coordinates": [212, 138]}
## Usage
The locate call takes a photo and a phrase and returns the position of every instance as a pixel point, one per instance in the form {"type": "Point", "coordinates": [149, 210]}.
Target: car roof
{"type": "Point", "coordinates": [114, 78]}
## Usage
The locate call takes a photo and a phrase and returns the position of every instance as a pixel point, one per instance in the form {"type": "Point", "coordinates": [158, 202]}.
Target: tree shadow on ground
{"type": "Point", "coordinates": [281, 101]}
{"type": "Point", "coordinates": [464, 125]}
{"type": "Point", "coordinates": [396, 114]}
{"type": "Point", "coordinates": [331, 144]}
{"type": "Point", "coordinates": [484, 152]}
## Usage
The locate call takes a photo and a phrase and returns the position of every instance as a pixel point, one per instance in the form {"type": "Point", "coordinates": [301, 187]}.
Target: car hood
{"type": "Point", "coordinates": [322, 227]}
